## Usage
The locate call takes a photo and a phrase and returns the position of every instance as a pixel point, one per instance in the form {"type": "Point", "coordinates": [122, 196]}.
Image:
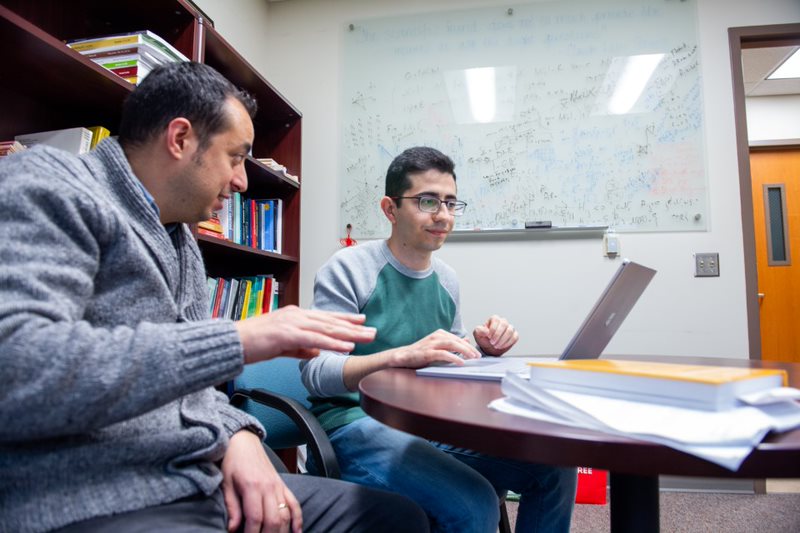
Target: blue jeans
{"type": "Point", "coordinates": [457, 488]}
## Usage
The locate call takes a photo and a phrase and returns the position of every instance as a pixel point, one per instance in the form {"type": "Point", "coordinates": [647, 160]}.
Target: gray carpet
{"type": "Point", "coordinates": [695, 512]}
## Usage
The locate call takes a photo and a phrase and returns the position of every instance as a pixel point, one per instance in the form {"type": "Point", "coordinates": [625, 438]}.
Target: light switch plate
{"type": "Point", "coordinates": [706, 265]}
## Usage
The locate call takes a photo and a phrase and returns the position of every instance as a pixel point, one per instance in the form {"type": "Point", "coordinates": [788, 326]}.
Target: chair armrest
{"type": "Point", "coordinates": [316, 439]}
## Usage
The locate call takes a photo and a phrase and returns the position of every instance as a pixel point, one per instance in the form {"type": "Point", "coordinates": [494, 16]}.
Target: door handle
{"type": "Point", "coordinates": [760, 295]}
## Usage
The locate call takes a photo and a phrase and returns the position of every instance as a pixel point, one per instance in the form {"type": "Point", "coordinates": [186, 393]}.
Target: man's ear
{"type": "Point", "coordinates": [389, 209]}
{"type": "Point", "coordinates": [180, 138]}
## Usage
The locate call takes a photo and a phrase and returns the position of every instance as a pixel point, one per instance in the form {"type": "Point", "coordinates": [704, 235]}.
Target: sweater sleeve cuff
{"type": "Point", "coordinates": [209, 352]}
{"type": "Point", "coordinates": [235, 420]}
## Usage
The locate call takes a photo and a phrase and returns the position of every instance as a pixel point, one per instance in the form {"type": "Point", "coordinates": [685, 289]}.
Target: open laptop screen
{"type": "Point", "coordinates": [607, 315]}
{"type": "Point", "coordinates": [600, 325]}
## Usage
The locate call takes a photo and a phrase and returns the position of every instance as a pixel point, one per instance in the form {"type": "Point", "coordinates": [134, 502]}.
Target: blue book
{"type": "Point", "coordinates": [266, 233]}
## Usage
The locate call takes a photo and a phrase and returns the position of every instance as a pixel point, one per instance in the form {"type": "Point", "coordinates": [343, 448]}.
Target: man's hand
{"type": "Point", "coordinates": [291, 331]}
{"type": "Point", "coordinates": [439, 346]}
{"type": "Point", "coordinates": [496, 337]}
{"type": "Point", "coordinates": [254, 491]}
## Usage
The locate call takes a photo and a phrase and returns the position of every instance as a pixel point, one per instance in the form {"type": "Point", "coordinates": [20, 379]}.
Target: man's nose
{"type": "Point", "coordinates": [442, 212]}
{"type": "Point", "coordinates": [239, 181]}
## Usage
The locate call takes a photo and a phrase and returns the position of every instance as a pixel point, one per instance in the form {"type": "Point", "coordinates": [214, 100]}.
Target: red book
{"type": "Point", "coordinates": [125, 72]}
{"type": "Point", "coordinates": [218, 298]}
{"type": "Point", "coordinates": [266, 305]}
{"type": "Point", "coordinates": [204, 231]}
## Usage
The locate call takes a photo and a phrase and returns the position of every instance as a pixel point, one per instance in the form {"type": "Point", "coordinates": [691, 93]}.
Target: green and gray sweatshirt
{"type": "Point", "coordinates": [404, 305]}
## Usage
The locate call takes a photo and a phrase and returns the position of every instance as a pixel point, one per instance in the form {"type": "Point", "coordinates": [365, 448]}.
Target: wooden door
{"type": "Point", "coordinates": [775, 174]}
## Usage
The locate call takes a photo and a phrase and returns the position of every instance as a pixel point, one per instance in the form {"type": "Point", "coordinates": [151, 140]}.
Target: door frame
{"type": "Point", "coordinates": [742, 38]}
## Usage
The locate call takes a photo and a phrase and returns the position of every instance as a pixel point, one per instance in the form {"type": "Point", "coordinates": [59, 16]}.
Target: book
{"type": "Point", "coordinates": [277, 167]}
{"type": "Point", "coordinates": [76, 140]}
{"type": "Point", "coordinates": [706, 387]}
{"type": "Point", "coordinates": [224, 215]}
{"type": "Point", "coordinates": [266, 304]}
{"type": "Point", "coordinates": [209, 233]}
{"type": "Point", "coordinates": [10, 147]}
{"type": "Point", "coordinates": [144, 53]}
{"type": "Point", "coordinates": [223, 301]}
{"type": "Point", "coordinates": [98, 134]}
{"type": "Point", "coordinates": [230, 302]}
{"type": "Point", "coordinates": [127, 39]}
{"type": "Point", "coordinates": [274, 304]}
{"type": "Point", "coordinates": [256, 297]}
{"type": "Point", "coordinates": [236, 200]}
{"type": "Point", "coordinates": [266, 230]}
{"type": "Point", "coordinates": [278, 226]}
{"type": "Point", "coordinates": [218, 297]}
{"type": "Point", "coordinates": [212, 291]}
{"type": "Point", "coordinates": [248, 290]}
{"type": "Point", "coordinates": [238, 300]}
{"type": "Point", "coordinates": [212, 224]}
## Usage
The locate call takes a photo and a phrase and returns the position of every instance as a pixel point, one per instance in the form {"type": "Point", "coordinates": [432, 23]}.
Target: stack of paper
{"type": "Point", "coordinates": [722, 437]}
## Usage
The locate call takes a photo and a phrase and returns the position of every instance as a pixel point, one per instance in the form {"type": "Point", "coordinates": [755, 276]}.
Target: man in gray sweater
{"type": "Point", "coordinates": [108, 357]}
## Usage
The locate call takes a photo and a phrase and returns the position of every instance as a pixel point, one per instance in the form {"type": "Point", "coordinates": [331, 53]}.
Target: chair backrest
{"type": "Point", "coordinates": [280, 375]}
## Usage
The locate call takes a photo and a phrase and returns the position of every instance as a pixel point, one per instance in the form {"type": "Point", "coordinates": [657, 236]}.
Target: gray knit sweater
{"type": "Point", "coordinates": [107, 353]}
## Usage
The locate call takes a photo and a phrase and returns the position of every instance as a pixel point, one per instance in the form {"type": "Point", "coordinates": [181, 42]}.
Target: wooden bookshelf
{"type": "Point", "coordinates": [45, 85]}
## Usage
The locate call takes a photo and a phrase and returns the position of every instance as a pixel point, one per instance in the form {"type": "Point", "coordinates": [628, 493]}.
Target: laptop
{"type": "Point", "coordinates": [620, 295]}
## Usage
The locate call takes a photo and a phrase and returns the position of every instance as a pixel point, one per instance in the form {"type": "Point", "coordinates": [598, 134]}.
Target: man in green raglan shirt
{"type": "Point", "coordinates": [412, 298]}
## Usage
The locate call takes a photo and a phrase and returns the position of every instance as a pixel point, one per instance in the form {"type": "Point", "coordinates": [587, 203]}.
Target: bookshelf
{"type": "Point", "coordinates": [45, 85]}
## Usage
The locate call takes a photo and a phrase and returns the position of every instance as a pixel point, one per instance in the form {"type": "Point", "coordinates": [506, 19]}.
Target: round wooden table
{"type": "Point", "coordinates": [455, 411]}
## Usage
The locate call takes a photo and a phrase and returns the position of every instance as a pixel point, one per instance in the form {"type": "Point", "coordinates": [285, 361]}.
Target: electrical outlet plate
{"type": "Point", "coordinates": [706, 265]}
{"type": "Point", "coordinates": [610, 245]}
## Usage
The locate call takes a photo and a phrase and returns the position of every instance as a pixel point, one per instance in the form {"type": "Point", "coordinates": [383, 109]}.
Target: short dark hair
{"type": "Point", "coordinates": [411, 161]}
{"type": "Point", "coordinates": [190, 90]}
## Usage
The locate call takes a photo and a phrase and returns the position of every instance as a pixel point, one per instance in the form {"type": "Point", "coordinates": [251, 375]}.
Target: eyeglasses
{"type": "Point", "coordinates": [431, 204]}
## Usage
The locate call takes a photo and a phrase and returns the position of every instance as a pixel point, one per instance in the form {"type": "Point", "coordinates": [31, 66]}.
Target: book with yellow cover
{"type": "Point", "coordinates": [713, 388]}
{"type": "Point", "coordinates": [98, 134]}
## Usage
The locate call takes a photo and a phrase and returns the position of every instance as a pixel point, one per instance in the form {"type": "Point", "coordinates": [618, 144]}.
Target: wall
{"type": "Point", "coordinates": [544, 287]}
{"type": "Point", "coordinates": [771, 118]}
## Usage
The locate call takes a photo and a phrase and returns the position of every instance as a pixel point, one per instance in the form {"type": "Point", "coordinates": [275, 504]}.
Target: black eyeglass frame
{"type": "Point", "coordinates": [454, 207]}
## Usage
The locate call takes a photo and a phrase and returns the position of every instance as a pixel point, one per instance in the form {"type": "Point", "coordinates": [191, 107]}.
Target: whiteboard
{"type": "Point", "coordinates": [543, 108]}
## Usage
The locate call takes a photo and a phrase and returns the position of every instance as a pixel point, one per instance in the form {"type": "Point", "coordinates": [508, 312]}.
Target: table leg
{"type": "Point", "coordinates": [634, 504]}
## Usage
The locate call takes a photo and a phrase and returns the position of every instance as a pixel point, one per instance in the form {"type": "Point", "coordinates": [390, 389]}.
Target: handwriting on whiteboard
{"type": "Point", "coordinates": [549, 146]}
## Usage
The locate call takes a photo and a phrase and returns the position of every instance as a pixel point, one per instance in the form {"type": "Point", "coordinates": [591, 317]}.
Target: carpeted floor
{"type": "Point", "coordinates": [701, 512]}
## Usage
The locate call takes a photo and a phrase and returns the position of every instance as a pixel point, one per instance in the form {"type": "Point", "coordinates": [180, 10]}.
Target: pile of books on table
{"type": "Point", "coordinates": [130, 56]}
{"type": "Point", "coordinates": [718, 413]}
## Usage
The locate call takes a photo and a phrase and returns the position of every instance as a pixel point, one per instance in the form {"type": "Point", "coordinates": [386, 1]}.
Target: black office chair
{"type": "Point", "coordinates": [273, 392]}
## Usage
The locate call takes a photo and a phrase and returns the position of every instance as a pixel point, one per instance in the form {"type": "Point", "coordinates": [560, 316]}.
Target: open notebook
{"type": "Point", "coordinates": [603, 321]}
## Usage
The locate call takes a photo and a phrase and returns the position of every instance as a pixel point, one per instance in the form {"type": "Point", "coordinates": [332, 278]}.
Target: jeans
{"type": "Point", "coordinates": [458, 489]}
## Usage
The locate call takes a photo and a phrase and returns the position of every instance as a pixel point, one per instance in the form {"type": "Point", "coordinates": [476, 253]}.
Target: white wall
{"type": "Point", "coordinates": [772, 118]}
{"type": "Point", "coordinates": [544, 287]}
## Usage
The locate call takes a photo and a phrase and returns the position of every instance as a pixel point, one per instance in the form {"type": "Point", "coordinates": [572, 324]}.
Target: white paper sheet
{"type": "Point", "coordinates": [724, 437]}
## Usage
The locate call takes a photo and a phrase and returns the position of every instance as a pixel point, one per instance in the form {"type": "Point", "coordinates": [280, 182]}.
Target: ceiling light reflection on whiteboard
{"type": "Point", "coordinates": [482, 92]}
{"type": "Point", "coordinates": [482, 95]}
{"type": "Point", "coordinates": [636, 73]}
